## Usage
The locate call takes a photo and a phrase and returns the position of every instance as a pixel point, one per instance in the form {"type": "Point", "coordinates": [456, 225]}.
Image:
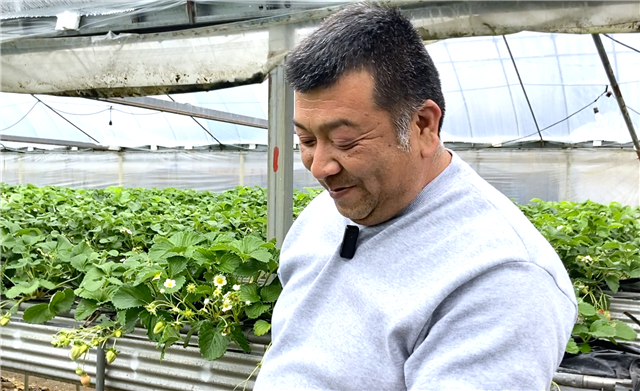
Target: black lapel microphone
{"type": "Point", "coordinates": [348, 248]}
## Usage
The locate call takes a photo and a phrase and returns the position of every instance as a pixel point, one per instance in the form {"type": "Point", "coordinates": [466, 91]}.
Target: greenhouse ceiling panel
{"type": "Point", "coordinates": [167, 53]}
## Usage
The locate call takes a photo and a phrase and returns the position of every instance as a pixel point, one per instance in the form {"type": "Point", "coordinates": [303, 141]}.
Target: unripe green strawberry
{"type": "Point", "coordinates": [158, 327]}
{"type": "Point", "coordinates": [111, 356]}
{"type": "Point", "coordinates": [5, 320]}
{"type": "Point", "coordinates": [78, 350]}
{"type": "Point", "coordinates": [117, 333]}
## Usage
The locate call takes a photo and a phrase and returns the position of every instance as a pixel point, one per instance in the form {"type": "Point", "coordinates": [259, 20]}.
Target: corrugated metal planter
{"type": "Point", "coordinates": [26, 348]}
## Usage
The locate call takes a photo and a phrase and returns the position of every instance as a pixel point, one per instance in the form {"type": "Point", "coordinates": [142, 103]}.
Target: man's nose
{"type": "Point", "coordinates": [324, 163]}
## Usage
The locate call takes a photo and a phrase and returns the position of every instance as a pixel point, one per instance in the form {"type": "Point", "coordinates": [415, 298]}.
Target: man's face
{"type": "Point", "coordinates": [350, 147]}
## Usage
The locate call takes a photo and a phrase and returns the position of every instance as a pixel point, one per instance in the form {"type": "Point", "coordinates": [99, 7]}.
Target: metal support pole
{"type": "Point", "coordinates": [616, 91]}
{"type": "Point", "coordinates": [241, 173]}
{"type": "Point", "coordinates": [280, 169]}
{"type": "Point", "coordinates": [100, 368]}
{"type": "Point", "coordinates": [20, 170]}
{"type": "Point", "coordinates": [26, 382]}
{"type": "Point", "coordinates": [120, 171]}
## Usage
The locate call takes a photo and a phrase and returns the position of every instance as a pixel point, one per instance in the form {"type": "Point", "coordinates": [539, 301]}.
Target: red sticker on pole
{"type": "Point", "coordinates": [276, 154]}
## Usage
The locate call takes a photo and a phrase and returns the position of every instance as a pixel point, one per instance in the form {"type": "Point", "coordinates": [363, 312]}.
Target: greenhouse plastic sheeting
{"type": "Point", "coordinates": [574, 175]}
{"type": "Point", "coordinates": [562, 74]}
{"type": "Point", "coordinates": [221, 55]}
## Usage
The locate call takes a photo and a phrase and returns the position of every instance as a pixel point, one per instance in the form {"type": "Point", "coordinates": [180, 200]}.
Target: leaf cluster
{"type": "Point", "coordinates": [599, 246]}
{"type": "Point", "coordinates": [186, 260]}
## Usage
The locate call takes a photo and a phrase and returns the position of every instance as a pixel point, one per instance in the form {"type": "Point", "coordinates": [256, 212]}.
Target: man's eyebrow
{"type": "Point", "coordinates": [329, 126]}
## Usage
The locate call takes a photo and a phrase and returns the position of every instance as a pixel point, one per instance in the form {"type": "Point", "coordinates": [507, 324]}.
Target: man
{"type": "Point", "coordinates": [450, 287]}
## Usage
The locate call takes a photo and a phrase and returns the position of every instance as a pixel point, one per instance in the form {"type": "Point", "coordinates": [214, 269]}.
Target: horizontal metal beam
{"type": "Point", "coordinates": [48, 141]}
{"type": "Point", "coordinates": [190, 110]}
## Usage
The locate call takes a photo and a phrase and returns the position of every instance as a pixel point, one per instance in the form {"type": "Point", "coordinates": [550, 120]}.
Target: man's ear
{"type": "Point", "coordinates": [427, 123]}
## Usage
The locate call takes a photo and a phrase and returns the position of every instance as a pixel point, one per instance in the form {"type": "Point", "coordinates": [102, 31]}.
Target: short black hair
{"type": "Point", "coordinates": [380, 40]}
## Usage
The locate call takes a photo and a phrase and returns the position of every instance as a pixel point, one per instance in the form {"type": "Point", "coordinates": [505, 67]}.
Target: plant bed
{"type": "Point", "coordinates": [174, 260]}
{"type": "Point", "coordinates": [27, 349]}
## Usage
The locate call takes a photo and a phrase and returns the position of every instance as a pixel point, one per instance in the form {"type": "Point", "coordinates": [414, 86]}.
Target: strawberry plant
{"type": "Point", "coordinates": [179, 262]}
{"type": "Point", "coordinates": [600, 246]}
{"type": "Point", "coordinates": [168, 260]}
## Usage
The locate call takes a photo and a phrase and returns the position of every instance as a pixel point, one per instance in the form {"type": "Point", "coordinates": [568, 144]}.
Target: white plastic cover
{"type": "Point", "coordinates": [574, 175]}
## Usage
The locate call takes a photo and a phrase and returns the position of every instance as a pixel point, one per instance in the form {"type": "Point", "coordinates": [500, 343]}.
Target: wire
{"type": "Point", "coordinates": [23, 117]}
{"type": "Point", "coordinates": [49, 107]}
{"type": "Point", "coordinates": [623, 44]}
{"type": "Point", "coordinates": [632, 109]}
{"type": "Point", "coordinates": [556, 123]}
{"type": "Point", "coordinates": [523, 89]}
{"type": "Point", "coordinates": [126, 112]}
{"type": "Point", "coordinates": [66, 112]}
{"type": "Point", "coordinates": [199, 124]}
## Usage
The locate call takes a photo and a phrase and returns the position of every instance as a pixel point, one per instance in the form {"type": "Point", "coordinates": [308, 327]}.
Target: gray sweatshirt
{"type": "Point", "coordinates": [458, 291]}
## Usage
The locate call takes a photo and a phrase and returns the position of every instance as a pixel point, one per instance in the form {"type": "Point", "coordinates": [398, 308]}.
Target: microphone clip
{"type": "Point", "coordinates": [348, 248]}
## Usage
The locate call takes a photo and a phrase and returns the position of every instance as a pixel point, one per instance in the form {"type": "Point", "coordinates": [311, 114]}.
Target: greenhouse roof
{"type": "Point", "coordinates": [485, 104]}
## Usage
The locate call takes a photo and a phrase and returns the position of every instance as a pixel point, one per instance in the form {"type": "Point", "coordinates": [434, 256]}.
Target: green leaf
{"type": "Point", "coordinates": [38, 314]}
{"type": "Point", "coordinates": [176, 265]}
{"type": "Point", "coordinates": [211, 342]}
{"type": "Point", "coordinates": [262, 327]}
{"type": "Point", "coordinates": [85, 308]}
{"type": "Point", "coordinates": [23, 288]}
{"type": "Point", "coordinates": [624, 331]}
{"type": "Point", "coordinates": [256, 309]}
{"type": "Point", "coordinates": [229, 262]}
{"type": "Point", "coordinates": [238, 336]}
{"type": "Point", "coordinates": [611, 245]}
{"type": "Point", "coordinates": [128, 296]}
{"type": "Point", "coordinates": [79, 262]}
{"type": "Point", "coordinates": [249, 268]}
{"type": "Point", "coordinates": [185, 239]}
{"type": "Point", "coordinates": [93, 280]}
{"type": "Point", "coordinates": [131, 318]}
{"type": "Point", "coordinates": [580, 329]}
{"type": "Point", "coordinates": [270, 293]}
{"type": "Point", "coordinates": [62, 301]}
{"type": "Point", "coordinates": [584, 348]}
{"type": "Point", "coordinates": [586, 309]}
{"type": "Point", "coordinates": [204, 290]}
{"type": "Point", "coordinates": [613, 283]}
{"type": "Point", "coordinates": [170, 336]}
{"type": "Point", "coordinates": [602, 329]}
{"type": "Point", "coordinates": [114, 281]}
{"type": "Point", "coordinates": [47, 284]}
{"type": "Point", "coordinates": [249, 293]}
{"type": "Point", "coordinates": [572, 347]}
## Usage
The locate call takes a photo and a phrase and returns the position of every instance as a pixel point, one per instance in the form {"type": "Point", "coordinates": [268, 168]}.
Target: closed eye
{"type": "Point", "coordinates": [308, 143]}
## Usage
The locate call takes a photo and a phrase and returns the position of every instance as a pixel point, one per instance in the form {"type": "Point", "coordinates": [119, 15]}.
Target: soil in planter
{"type": "Point", "coordinates": [15, 382]}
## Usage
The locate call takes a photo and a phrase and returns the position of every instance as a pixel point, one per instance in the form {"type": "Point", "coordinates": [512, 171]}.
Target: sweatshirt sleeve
{"type": "Point", "coordinates": [506, 329]}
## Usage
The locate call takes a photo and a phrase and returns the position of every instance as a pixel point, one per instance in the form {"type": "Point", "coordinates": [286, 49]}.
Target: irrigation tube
{"type": "Point", "coordinates": [590, 382]}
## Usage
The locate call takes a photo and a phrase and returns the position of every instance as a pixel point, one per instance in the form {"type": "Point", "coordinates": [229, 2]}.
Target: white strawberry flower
{"type": "Point", "coordinates": [226, 305]}
{"type": "Point", "coordinates": [236, 287]}
{"type": "Point", "coordinates": [220, 281]}
{"type": "Point", "coordinates": [169, 283]}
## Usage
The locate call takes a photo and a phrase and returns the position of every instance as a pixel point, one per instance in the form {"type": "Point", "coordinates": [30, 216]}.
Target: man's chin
{"type": "Point", "coordinates": [353, 213]}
